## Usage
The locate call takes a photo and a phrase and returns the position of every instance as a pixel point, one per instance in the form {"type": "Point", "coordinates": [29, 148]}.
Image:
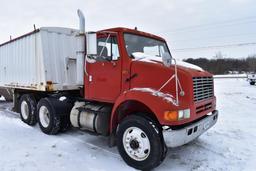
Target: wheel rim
{"type": "Point", "coordinates": [44, 116]}
{"type": "Point", "coordinates": [136, 143]}
{"type": "Point", "coordinates": [24, 110]}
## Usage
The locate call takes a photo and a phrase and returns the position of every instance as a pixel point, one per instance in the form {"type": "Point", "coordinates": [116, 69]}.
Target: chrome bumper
{"type": "Point", "coordinates": [175, 138]}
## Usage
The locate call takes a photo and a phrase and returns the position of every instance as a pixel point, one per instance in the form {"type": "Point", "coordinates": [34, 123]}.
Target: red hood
{"type": "Point", "coordinates": [153, 74]}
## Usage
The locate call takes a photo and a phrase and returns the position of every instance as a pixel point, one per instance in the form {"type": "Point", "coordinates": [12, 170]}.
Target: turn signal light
{"type": "Point", "coordinates": [177, 115]}
{"type": "Point", "coordinates": [171, 115]}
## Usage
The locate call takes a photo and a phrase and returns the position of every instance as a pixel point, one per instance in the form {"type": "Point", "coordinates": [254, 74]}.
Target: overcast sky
{"type": "Point", "coordinates": [185, 24]}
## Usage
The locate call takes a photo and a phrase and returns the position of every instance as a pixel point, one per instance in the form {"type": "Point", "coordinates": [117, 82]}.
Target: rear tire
{"type": "Point", "coordinates": [49, 121]}
{"type": "Point", "coordinates": [252, 83]}
{"type": "Point", "coordinates": [140, 143]}
{"type": "Point", "coordinates": [65, 123]}
{"type": "Point", "coordinates": [27, 109]}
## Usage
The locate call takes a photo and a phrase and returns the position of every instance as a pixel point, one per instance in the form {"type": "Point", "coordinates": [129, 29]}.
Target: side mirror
{"type": "Point", "coordinates": [91, 43]}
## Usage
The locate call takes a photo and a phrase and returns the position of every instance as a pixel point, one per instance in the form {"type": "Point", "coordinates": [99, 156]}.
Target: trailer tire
{"type": "Point", "coordinates": [27, 109]}
{"type": "Point", "coordinates": [140, 143]}
{"type": "Point", "coordinates": [49, 121]}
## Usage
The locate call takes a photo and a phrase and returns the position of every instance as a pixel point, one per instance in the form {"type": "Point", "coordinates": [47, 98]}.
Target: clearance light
{"type": "Point", "coordinates": [177, 115]}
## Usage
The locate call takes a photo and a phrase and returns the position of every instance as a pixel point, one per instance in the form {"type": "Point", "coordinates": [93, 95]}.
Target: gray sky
{"type": "Point", "coordinates": [183, 23]}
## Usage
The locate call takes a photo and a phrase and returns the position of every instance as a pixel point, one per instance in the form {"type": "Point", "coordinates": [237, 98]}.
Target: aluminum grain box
{"type": "Point", "coordinates": [35, 60]}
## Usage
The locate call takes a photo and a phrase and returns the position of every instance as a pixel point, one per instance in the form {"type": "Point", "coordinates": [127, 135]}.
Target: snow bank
{"type": "Point", "coordinates": [2, 98]}
{"type": "Point", "coordinates": [231, 76]}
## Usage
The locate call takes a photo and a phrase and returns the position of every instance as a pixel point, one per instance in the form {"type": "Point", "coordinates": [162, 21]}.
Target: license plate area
{"type": "Point", "coordinates": [207, 124]}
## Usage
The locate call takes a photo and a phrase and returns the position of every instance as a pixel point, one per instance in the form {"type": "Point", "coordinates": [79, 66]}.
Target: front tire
{"type": "Point", "coordinates": [49, 121]}
{"type": "Point", "coordinates": [27, 109]}
{"type": "Point", "coordinates": [140, 143]}
{"type": "Point", "coordinates": [252, 83]}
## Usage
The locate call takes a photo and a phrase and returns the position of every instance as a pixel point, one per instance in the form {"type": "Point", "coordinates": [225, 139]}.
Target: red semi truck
{"type": "Point", "coordinates": [119, 82]}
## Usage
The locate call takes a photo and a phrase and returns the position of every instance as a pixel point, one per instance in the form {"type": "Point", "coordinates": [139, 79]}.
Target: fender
{"type": "Point", "coordinates": [157, 102]}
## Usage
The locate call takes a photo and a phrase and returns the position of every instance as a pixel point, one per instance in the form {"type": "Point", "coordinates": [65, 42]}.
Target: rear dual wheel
{"type": "Point", "coordinates": [44, 112]}
{"type": "Point", "coordinates": [27, 109]}
{"type": "Point", "coordinates": [49, 120]}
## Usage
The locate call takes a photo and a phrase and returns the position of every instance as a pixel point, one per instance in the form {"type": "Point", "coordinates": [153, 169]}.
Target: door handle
{"type": "Point", "coordinates": [131, 77]}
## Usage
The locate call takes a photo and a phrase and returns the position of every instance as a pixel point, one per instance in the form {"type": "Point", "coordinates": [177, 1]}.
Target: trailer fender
{"type": "Point", "coordinates": [141, 100]}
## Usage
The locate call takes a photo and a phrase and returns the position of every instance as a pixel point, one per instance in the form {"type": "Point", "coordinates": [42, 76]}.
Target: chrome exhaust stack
{"type": "Point", "coordinates": [81, 49]}
{"type": "Point", "coordinates": [81, 21]}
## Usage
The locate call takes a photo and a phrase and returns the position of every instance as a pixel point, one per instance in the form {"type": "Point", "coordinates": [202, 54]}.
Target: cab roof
{"type": "Point", "coordinates": [133, 31]}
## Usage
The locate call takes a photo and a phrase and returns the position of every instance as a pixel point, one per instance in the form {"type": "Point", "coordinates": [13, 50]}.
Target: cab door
{"type": "Point", "coordinates": [104, 75]}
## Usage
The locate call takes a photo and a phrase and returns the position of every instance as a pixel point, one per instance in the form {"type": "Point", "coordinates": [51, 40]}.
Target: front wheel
{"type": "Point", "coordinates": [139, 143]}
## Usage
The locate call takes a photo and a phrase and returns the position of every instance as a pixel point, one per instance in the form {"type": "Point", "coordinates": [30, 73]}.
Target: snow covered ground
{"type": "Point", "coordinates": [229, 145]}
{"type": "Point", "coordinates": [231, 76]}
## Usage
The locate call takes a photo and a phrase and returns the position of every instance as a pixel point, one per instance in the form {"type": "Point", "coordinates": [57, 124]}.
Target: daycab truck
{"type": "Point", "coordinates": [251, 78]}
{"type": "Point", "coordinates": [119, 82]}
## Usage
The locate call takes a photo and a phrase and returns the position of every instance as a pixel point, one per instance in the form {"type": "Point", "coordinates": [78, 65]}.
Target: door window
{"type": "Point", "coordinates": [107, 48]}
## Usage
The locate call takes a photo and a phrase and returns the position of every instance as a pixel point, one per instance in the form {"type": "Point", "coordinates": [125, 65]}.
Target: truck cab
{"type": "Point", "coordinates": [251, 78]}
{"type": "Point", "coordinates": [131, 62]}
{"type": "Point", "coordinates": [135, 72]}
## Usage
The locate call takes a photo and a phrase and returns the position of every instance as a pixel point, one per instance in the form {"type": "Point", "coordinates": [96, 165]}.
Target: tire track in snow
{"type": "Point", "coordinates": [5, 110]}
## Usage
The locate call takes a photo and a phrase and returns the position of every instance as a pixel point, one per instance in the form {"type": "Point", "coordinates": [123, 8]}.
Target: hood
{"type": "Point", "coordinates": [150, 73]}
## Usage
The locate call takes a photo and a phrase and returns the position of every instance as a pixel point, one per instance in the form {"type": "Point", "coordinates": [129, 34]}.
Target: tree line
{"type": "Point", "coordinates": [225, 65]}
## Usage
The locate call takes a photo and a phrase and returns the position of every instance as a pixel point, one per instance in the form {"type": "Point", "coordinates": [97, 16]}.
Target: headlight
{"type": "Point", "coordinates": [177, 115]}
{"type": "Point", "coordinates": [187, 113]}
{"type": "Point", "coordinates": [181, 114]}
{"type": "Point", "coordinates": [184, 114]}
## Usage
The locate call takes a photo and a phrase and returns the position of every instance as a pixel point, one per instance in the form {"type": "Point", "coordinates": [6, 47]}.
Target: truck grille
{"type": "Point", "coordinates": [203, 88]}
{"type": "Point", "coordinates": [203, 108]}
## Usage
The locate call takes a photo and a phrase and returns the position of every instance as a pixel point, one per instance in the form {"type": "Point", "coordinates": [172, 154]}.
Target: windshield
{"type": "Point", "coordinates": [144, 45]}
